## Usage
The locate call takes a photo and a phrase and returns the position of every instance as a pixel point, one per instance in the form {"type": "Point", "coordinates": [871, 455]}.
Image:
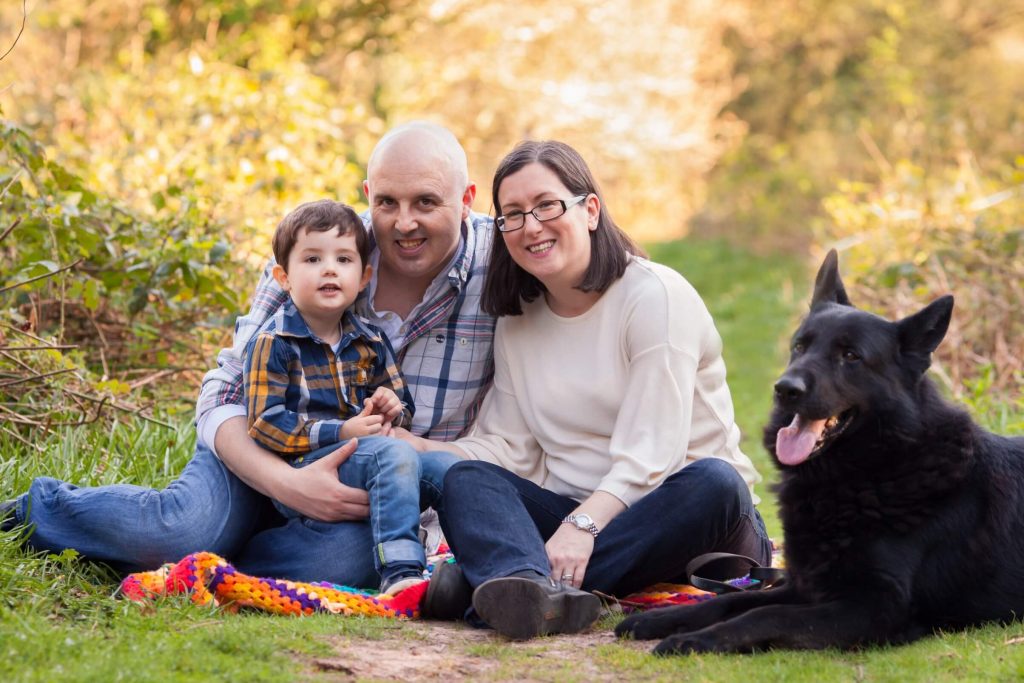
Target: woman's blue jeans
{"type": "Point", "coordinates": [208, 508]}
{"type": "Point", "coordinates": [497, 523]}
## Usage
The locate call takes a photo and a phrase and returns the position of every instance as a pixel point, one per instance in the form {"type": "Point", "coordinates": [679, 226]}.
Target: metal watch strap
{"type": "Point", "coordinates": [589, 528]}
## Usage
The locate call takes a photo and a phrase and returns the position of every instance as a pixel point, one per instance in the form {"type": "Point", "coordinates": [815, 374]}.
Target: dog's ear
{"type": "Point", "coordinates": [828, 287]}
{"type": "Point", "coordinates": [923, 331]}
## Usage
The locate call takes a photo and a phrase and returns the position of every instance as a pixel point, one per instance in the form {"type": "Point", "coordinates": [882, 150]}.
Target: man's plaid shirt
{"type": "Point", "coordinates": [447, 356]}
{"type": "Point", "coordinates": [299, 391]}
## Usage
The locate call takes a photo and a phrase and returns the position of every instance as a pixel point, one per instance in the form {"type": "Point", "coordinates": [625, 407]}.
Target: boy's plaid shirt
{"type": "Point", "coordinates": [299, 392]}
{"type": "Point", "coordinates": [447, 356]}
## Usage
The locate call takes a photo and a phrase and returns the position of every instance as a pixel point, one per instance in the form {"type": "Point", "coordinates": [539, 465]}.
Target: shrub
{"type": "Point", "coordinates": [912, 237]}
{"type": "Point", "coordinates": [94, 298]}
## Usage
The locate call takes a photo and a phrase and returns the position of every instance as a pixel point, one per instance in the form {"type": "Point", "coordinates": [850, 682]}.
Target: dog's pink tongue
{"type": "Point", "coordinates": [793, 444]}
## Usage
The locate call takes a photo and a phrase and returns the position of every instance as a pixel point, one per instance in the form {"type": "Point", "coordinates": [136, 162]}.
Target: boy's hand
{"type": "Point", "coordinates": [365, 423]}
{"type": "Point", "coordinates": [386, 403]}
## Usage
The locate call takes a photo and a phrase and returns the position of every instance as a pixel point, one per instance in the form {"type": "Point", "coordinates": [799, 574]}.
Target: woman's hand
{"type": "Point", "coordinates": [569, 551]}
{"type": "Point", "coordinates": [417, 442]}
{"type": "Point", "coordinates": [423, 445]}
{"type": "Point", "coordinates": [570, 548]}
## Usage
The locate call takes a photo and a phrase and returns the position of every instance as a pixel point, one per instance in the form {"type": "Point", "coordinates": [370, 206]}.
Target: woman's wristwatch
{"type": "Point", "coordinates": [583, 522]}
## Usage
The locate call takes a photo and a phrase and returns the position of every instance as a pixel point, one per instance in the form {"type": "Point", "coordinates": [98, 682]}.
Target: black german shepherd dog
{"type": "Point", "coordinates": [901, 516]}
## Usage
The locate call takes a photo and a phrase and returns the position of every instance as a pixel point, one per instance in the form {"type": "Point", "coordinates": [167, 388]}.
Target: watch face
{"type": "Point", "coordinates": [583, 520]}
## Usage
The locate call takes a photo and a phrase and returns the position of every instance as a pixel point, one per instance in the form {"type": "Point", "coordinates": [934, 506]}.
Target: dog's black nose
{"type": "Point", "coordinates": [790, 388]}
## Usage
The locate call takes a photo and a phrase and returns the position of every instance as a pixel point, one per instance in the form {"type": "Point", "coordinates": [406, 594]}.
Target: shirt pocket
{"type": "Point", "coordinates": [445, 368]}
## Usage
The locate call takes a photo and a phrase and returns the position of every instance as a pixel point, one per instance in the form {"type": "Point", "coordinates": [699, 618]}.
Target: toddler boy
{"type": "Point", "coordinates": [316, 375]}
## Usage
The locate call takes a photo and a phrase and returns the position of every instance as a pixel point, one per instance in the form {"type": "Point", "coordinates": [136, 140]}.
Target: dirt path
{"type": "Point", "coordinates": [452, 651]}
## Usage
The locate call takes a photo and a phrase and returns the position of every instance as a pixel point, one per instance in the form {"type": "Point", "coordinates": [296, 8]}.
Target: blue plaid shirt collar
{"type": "Point", "coordinates": [352, 326]}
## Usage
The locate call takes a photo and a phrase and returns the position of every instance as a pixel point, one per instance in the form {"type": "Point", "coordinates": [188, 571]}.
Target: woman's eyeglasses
{"type": "Point", "coordinates": [547, 210]}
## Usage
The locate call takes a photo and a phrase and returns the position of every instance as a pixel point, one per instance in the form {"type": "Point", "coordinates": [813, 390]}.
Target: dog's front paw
{"type": "Point", "coordinates": [685, 644]}
{"type": "Point", "coordinates": [647, 626]}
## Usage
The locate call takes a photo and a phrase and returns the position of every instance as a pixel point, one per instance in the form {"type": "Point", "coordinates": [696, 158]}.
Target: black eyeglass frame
{"type": "Point", "coordinates": [502, 221]}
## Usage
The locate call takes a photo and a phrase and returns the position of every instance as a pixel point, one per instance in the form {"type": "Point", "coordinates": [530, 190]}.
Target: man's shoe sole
{"type": "Point", "coordinates": [521, 608]}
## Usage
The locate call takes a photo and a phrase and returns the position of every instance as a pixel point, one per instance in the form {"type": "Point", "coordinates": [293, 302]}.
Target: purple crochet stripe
{"type": "Point", "coordinates": [286, 591]}
{"type": "Point", "coordinates": [218, 577]}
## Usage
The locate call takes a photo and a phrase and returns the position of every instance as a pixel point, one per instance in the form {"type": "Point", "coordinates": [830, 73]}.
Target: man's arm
{"type": "Point", "coordinates": [222, 386]}
{"type": "Point", "coordinates": [314, 491]}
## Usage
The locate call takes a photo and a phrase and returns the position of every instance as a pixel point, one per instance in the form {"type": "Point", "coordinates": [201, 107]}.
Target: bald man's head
{"type": "Point", "coordinates": [423, 140]}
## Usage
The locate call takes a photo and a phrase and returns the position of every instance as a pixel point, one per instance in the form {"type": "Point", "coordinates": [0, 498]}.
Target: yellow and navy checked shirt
{"type": "Point", "coordinates": [299, 391]}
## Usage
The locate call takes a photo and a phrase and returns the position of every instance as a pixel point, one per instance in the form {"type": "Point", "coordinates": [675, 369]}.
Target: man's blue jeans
{"type": "Point", "coordinates": [389, 471]}
{"type": "Point", "coordinates": [135, 528]}
{"type": "Point", "coordinates": [497, 523]}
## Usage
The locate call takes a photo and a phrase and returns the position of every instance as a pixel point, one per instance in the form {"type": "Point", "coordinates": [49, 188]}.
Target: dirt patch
{"type": "Point", "coordinates": [434, 651]}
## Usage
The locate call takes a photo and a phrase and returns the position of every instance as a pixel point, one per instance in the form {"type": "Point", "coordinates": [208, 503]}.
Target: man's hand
{"type": "Point", "coordinates": [313, 491]}
{"type": "Point", "coordinates": [318, 494]}
{"type": "Point", "coordinates": [366, 423]}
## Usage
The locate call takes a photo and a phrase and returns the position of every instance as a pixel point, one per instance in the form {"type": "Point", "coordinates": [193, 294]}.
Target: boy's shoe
{"type": "Point", "coordinates": [527, 604]}
{"type": "Point", "coordinates": [393, 585]}
{"type": "Point", "coordinates": [449, 595]}
{"type": "Point", "coordinates": [8, 519]}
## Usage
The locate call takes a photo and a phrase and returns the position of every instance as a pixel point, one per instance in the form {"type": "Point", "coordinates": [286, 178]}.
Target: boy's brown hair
{"type": "Point", "coordinates": [319, 216]}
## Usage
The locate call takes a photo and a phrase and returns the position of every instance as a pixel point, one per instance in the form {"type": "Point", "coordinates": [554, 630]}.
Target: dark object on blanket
{"type": "Point", "coordinates": [901, 516]}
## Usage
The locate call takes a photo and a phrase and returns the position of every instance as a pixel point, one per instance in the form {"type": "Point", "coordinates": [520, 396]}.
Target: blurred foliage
{"type": "Point", "coordinates": [247, 146]}
{"type": "Point", "coordinates": [913, 236]}
{"type": "Point", "coordinates": [837, 90]}
{"type": "Point", "coordinates": [257, 106]}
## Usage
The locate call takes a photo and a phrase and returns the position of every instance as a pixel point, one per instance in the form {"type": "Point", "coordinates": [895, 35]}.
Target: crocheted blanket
{"type": "Point", "coordinates": [209, 579]}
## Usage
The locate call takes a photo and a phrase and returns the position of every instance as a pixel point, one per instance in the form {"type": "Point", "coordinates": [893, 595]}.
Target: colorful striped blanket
{"type": "Point", "coordinates": [209, 579]}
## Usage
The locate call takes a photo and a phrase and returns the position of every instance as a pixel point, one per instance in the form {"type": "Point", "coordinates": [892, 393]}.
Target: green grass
{"type": "Point", "coordinates": [58, 620]}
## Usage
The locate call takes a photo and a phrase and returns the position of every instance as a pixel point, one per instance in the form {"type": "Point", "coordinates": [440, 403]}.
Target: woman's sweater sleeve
{"type": "Point", "coordinates": [665, 326]}
{"type": "Point", "coordinates": [500, 434]}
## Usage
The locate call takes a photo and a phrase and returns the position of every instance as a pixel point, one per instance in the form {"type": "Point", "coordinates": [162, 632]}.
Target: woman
{"type": "Point", "coordinates": [606, 455]}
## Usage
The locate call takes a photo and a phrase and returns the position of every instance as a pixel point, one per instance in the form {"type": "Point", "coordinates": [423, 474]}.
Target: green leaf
{"type": "Point", "coordinates": [91, 295]}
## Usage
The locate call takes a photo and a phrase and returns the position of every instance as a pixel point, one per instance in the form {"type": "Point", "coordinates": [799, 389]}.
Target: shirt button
{"type": "Point", "coordinates": [463, 341]}
{"type": "Point", "coordinates": [439, 339]}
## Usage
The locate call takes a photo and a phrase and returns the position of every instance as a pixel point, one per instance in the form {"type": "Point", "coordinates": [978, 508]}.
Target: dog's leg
{"type": "Point", "coordinates": [659, 623]}
{"type": "Point", "coordinates": [842, 624]}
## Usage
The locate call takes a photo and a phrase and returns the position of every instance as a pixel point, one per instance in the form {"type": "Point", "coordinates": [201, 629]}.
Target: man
{"type": "Point", "coordinates": [429, 255]}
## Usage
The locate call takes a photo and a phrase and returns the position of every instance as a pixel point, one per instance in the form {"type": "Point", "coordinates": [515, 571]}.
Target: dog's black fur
{"type": "Point", "coordinates": [904, 519]}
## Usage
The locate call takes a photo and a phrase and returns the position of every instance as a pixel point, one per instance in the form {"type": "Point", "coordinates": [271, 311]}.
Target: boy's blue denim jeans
{"type": "Point", "coordinates": [390, 472]}
{"type": "Point", "coordinates": [136, 528]}
{"type": "Point", "coordinates": [497, 523]}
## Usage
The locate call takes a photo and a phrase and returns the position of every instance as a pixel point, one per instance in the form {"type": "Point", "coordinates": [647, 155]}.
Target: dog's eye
{"type": "Point", "coordinates": [850, 356]}
{"type": "Point", "coordinates": [798, 347]}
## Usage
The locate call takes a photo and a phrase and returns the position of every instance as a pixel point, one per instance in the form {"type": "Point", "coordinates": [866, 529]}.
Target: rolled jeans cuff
{"type": "Point", "coordinates": [401, 550]}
